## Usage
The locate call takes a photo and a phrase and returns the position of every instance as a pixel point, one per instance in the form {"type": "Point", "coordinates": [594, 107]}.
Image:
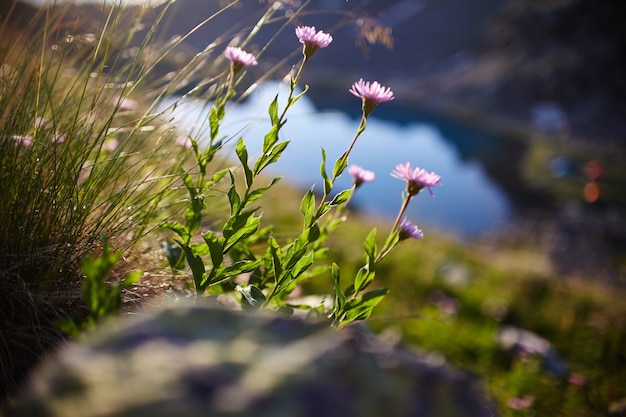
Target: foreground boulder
{"type": "Point", "coordinates": [200, 360]}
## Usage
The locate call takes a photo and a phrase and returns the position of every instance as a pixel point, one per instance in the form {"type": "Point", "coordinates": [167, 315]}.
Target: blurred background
{"type": "Point", "coordinates": [518, 104]}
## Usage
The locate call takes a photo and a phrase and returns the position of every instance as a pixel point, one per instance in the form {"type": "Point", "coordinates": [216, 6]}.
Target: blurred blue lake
{"type": "Point", "coordinates": [467, 204]}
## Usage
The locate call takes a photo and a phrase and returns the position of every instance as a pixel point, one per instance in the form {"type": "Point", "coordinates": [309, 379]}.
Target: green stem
{"type": "Point", "coordinates": [407, 200]}
{"type": "Point", "coordinates": [292, 87]}
{"type": "Point", "coordinates": [344, 157]}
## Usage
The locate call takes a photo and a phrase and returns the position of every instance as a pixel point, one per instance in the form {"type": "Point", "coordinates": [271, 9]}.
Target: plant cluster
{"type": "Point", "coordinates": [86, 159]}
{"type": "Point", "coordinates": [242, 256]}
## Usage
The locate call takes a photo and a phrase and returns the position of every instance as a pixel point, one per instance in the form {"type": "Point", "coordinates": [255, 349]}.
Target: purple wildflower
{"type": "Point", "coordinates": [24, 140]}
{"type": "Point", "coordinates": [361, 175]}
{"type": "Point", "coordinates": [312, 39]}
{"type": "Point", "coordinates": [184, 141]}
{"type": "Point", "coordinates": [372, 94]}
{"type": "Point", "coordinates": [42, 123]}
{"type": "Point", "coordinates": [416, 178]}
{"type": "Point", "coordinates": [110, 145]}
{"type": "Point", "coordinates": [410, 230]}
{"type": "Point", "coordinates": [239, 58]}
{"type": "Point", "coordinates": [58, 138]}
{"type": "Point", "coordinates": [125, 103]}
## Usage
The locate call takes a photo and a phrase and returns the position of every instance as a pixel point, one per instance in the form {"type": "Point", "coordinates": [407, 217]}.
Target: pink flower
{"type": "Point", "coordinates": [183, 141]}
{"type": "Point", "coordinates": [125, 103]}
{"type": "Point", "coordinates": [410, 230]}
{"type": "Point", "coordinates": [42, 123]}
{"type": "Point", "coordinates": [312, 39]}
{"type": "Point", "coordinates": [416, 178]}
{"type": "Point", "coordinates": [372, 94]}
{"type": "Point", "coordinates": [110, 145]}
{"type": "Point", "coordinates": [361, 175]}
{"type": "Point", "coordinates": [239, 58]}
{"type": "Point", "coordinates": [58, 138]}
{"type": "Point", "coordinates": [24, 140]}
{"type": "Point", "coordinates": [520, 403]}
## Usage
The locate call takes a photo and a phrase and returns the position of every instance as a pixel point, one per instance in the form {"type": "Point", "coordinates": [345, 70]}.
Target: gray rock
{"type": "Point", "coordinates": [198, 360]}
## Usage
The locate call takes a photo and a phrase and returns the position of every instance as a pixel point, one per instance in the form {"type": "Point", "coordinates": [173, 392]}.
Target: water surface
{"type": "Point", "coordinates": [468, 202]}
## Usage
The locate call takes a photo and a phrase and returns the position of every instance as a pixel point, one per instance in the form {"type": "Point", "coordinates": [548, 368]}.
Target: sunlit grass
{"type": "Point", "coordinates": [86, 158]}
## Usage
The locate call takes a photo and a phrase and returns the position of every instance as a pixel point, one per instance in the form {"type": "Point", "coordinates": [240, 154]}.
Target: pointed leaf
{"type": "Point", "coordinates": [131, 279]}
{"type": "Point", "coordinates": [299, 96]}
{"type": "Point", "coordinates": [370, 245]}
{"type": "Point", "coordinates": [241, 267]}
{"type": "Point", "coordinates": [258, 193]}
{"type": "Point", "coordinates": [215, 248]}
{"type": "Point", "coordinates": [339, 297]}
{"type": "Point", "coordinates": [341, 198]}
{"type": "Point", "coordinates": [242, 153]}
{"type": "Point", "coordinates": [273, 155]}
{"type": "Point", "coordinates": [196, 265]}
{"type": "Point", "coordinates": [328, 185]}
{"type": "Point", "coordinates": [252, 294]}
{"type": "Point", "coordinates": [214, 122]}
{"type": "Point", "coordinates": [364, 277]}
{"type": "Point", "coordinates": [241, 231]}
{"type": "Point", "coordinates": [302, 265]}
{"type": "Point", "coordinates": [340, 165]}
{"type": "Point", "coordinates": [362, 307]}
{"type": "Point", "coordinates": [270, 138]}
{"type": "Point", "coordinates": [276, 255]}
{"type": "Point", "coordinates": [391, 241]}
{"type": "Point", "coordinates": [177, 228]}
{"type": "Point", "coordinates": [273, 111]}
{"type": "Point", "coordinates": [307, 207]}
{"type": "Point", "coordinates": [233, 197]}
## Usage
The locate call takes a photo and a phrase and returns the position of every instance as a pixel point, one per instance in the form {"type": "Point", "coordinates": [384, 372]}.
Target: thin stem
{"type": "Point", "coordinates": [382, 255]}
{"type": "Point", "coordinates": [401, 213]}
{"type": "Point", "coordinates": [292, 88]}
{"type": "Point", "coordinates": [344, 157]}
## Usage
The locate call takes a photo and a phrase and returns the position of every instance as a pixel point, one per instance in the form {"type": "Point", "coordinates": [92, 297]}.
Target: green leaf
{"type": "Point", "coordinates": [214, 122]}
{"type": "Point", "coordinates": [340, 164]}
{"type": "Point", "coordinates": [131, 279]}
{"type": "Point", "coordinates": [391, 241]}
{"type": "Point", "coordinates": [307, 207]}
{"type": "Point", "coordinates": [238, 268]}
{"type": "Point", "coordinates": [252, 295]}
{"type": "Point", "coordinates": [339, 297]}
{"type": "Point", "coordinates": [273, 111]}
{"type": "Point", "coordinates": [364, 277]}
{"type": "Point", "coordinates": [269, 157]}
{"type": "Point", "coordinates": [299, 96]}
{"type": "Point", "coordinates": [218, 176]}
{"type": "Point", "coordinates": [256, 194]}
{"type": "Point", "coordinates": [361, 308]}
{"type": "Point", "coordinates": [276, 255]}
{"type": "Point", "coordinates": [233, 197]}
{"type": "Point", "coordinates": [177, 228]}
{"type": "Point", "coordinates": [242, 153]}
{"type": "Point", "coordinates": [215, 248]}
{"type": "Point", "coordinates": [341, 198]}
{"type": "Point", "coordinates": [270, 139]}
{"type": "Point", "coordinates": [303, 264]}
{"type": "Point", "coordinates": [196, 265]}
{"type": "Point", "coordinates": [323, 209]}
{"type": "Point", "coordinates": [237, 231]}
{"type": "Point", "coordinates": [200, 248]}
{"type": "Point", "coordinates": [370, 245]}
{"type": "Point", "coordinates": [313, 233]}
{"type": "Point", "coordinates": [328, 185]}
{"type": "Point", "coordinates": [174, 255]}
{"type": "Point", "coordinates": [193, 212]}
